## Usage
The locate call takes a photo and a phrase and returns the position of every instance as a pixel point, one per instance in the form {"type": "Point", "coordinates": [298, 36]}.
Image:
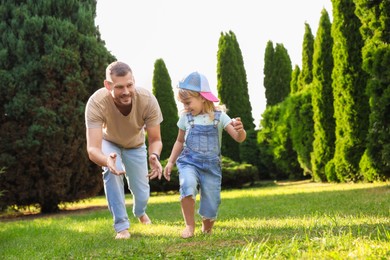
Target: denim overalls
{"type": "Point", "coordinates": [200, 164]}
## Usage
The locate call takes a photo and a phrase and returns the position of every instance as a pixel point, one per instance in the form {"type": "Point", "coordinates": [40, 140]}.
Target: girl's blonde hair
{"type": "Point", "coordinates": [208, 107]}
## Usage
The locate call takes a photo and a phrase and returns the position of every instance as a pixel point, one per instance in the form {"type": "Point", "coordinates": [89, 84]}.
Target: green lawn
{"type": "Point", "coordinates": [293, 220]}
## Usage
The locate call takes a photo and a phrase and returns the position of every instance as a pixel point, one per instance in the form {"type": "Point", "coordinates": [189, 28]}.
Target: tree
{"type": "Point", "coordinates": [294, 79]}
{"type": "Point", "coordinates": [268, 73]}
{"type": "Point", "coordinates": [233, 89]}
{"type": "Point", "coordinates": [375, 28]}
{"type": "Point", "coordinates": [277, 73]}
{"type": "Point", "coordinates": [301, 119]}
{"type": "Point", "coordinates": [349, 86]}
{"type": "Point", "coordinates": [162, 89]}
{"type": "Point", "coordinates": [51, 60]}
{"type": "Point", "coordinates": [322, 100]}
{"type": "Point", "coordinates": [306, 75]}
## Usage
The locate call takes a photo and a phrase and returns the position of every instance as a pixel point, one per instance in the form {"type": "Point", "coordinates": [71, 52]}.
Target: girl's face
{"type": "Point", "coordinates": [194, 105]}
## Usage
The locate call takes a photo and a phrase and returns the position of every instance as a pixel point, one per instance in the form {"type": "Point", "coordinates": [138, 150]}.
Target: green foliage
{"type": "Point", "coordinates": [51, 60]}
{"type": "Point", "coordinates": [249, 152]}
{"type": "Point", "coordinates": [234, 175]}
{"type": "Point", "coordinates": [368, 170]}
{"type": "Point", "coordinates": [233, 89]}
{"type": "Point", "coordinates": [302, 127]}
{"type": "Point", "coordinates": [349, 90]}
{"type": "Point", "coordinates": [277, 73]}
{"type": "Point", "coordinates": [278, 159]}
{"type": "Point", "coordinates": [162, 89]}
{"type": "Point", "coordinates": [294, 79]}
{"type": "Point", "coordinates": [322, 99]}
{"type": "Point", "coordinates": [376, 62]}
{"type": "Point", "coordinates": [306, 75]}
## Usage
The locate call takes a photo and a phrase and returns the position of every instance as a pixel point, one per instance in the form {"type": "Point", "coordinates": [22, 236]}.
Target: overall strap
{"type": "Point", "coordinates": [190, 119]}
{"type": "Point", "coordinates": [217, 116]}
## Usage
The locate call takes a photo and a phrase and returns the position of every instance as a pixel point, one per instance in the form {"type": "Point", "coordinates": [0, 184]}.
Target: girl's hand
{"type": "Point", "coordinates": [167, 171]}
{"type": "Point", "coordinates": [237, 124]}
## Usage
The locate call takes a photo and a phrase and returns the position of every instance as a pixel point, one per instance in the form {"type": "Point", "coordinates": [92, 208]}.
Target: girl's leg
{"type": "Point", "coordinates": [188, 210]}
{"type": "Point", "coordinates": [207, 225]}
{"type": "Point", "coordinates": [188, 190]}
{"type": "Point", "coordinates": [210, 195]}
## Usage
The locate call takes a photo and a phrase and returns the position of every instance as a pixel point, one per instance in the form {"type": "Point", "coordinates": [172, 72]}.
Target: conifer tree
{"type": "Point", "coordinates": [162, 89]}
{"type": "Point", "coordinates": [301, 119]}
{"type": "Point", "coordinates": [282, 70]}
{"type": "Point", "coordinates": [268, 72]}
{"type": "Point", "coordinates": [349, 86]}
{"type": "Point", "coordinates": [277, 73]}
{"type": "Point", "coordinates": [322, 99]}
{"type": "Point", "coordinates": [294, 79]}
{"type": "Point", "coordinates": [51, 60]}
{"type": "Point", "coordinates": [375, 17]}
{"type": "Point", "coordinates": [233, 89]}
{"type": "Point", "coordinates": [306, 75]}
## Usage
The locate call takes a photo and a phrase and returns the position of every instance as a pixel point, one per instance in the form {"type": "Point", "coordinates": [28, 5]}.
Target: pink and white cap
{"type": "Point", "coordinates": [198, 83]}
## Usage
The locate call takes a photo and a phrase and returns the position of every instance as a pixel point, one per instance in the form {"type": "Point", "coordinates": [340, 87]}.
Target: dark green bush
{"type": "Point", "coordinates": [234, 175]}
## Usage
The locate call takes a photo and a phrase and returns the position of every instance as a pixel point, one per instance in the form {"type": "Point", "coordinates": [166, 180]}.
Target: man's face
{"type": "Point", "coordinates": [122, 89]}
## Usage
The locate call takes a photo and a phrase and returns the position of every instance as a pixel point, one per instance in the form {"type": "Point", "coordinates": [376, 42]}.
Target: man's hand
{"type": "Point", "coordinates": [155, 166]}
{"type": "Point", "coordinates": [111, 164]}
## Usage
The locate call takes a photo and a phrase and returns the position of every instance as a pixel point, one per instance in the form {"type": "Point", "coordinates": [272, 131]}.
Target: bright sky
{"type": "Point", "coordinates": [185, 35]}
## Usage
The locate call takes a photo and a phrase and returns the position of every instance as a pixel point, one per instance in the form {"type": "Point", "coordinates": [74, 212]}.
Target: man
{"type": "Point", "coordinates": [117, 117]}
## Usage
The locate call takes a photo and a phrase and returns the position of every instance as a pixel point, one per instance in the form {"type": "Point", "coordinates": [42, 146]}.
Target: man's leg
{"type": "Point", "coordinates": [113, 187]}
{"type": "Point", "coordinates": [136, 165]}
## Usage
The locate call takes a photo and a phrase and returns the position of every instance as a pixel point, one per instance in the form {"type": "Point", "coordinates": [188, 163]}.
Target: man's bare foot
{"type": "Point", "coordinates": [188, 232]}
{"type": "Point", "coordinates": [124, 234]}
{"type": "Point", "coordinates": [144, 219]}
{"type": "Point", "coordinates": [207, 226]}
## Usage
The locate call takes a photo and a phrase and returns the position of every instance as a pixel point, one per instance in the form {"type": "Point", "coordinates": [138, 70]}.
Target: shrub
{"type": "Point", "coordinates": [234, 175]}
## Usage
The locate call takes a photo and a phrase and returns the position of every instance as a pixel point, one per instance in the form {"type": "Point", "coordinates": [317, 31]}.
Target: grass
{"type": "Point", "coordinates": [292, 220]}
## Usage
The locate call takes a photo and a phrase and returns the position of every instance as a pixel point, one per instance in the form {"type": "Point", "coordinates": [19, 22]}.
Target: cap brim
{"type": "Point", "coordinates": [209, 96]}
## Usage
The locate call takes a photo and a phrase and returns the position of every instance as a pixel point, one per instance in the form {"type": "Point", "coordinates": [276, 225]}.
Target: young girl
{"type": "Point", "coordinates": [197, 151]}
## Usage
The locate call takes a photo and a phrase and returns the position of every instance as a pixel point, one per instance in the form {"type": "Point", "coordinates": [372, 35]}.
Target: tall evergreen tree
{"type": "Point", "coordinates": [375, 17]}
{"type": "Point", "coordinates": [282, 70]}
{"type": "Point", "coordinates": [306, 75]}
{"type": "Point", "coordinates": [277, 73]}
{"type": "Point", "coordinates": [322, 99]}
{"type": "Point", "coordinates": [233, 89]}
{"type": "Point", "coordinates": [349, 86]}
{"type": "Point", "coordinates": [294, 79]}
{"type": "Point", "coordinates": [162, 89]}
{"type": "Point", "coordinates": [51, 60]}
{"type": "Point", "coordinates": [268, 73]}
{"type": "Point", "coordinates": [301, 119]}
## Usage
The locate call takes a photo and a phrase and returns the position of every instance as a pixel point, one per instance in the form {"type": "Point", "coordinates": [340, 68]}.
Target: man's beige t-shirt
{"type": "Point", "coordinates": [125, 131]}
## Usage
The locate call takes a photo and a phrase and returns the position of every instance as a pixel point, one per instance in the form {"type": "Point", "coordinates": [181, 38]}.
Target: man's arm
{"type": "Point", "coordinates": [154, 149]}
{"type": "Point", "coordinates": [95, 153]}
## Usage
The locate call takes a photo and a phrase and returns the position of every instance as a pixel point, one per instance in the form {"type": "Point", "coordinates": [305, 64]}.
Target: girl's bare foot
{"type": "Point", "coordinates": [207, 226]}
{"type": "Point", "coordinates": [124, 234]}
{"type": "Point", "coordinates": [188, 232]}
{"type": "Point", "coordinates": [144, 219]}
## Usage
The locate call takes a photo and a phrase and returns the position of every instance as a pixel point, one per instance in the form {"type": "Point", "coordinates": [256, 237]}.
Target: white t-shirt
{"type": "Point", "coordinates": [204, 119]}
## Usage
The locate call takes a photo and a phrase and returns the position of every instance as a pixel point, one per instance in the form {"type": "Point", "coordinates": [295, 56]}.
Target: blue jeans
{"type": "Point", "coordinates": [134, 162]}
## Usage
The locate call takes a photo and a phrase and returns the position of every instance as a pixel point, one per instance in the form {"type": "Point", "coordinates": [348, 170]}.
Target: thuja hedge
{"type": "Point", "coordinates": [234, 175]}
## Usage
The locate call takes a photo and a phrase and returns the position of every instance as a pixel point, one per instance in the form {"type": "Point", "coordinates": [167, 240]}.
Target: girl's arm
{"type": "Point", "coordinates": [236, 130]}
{"type": "Point", "coordinates": [176, 150]}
